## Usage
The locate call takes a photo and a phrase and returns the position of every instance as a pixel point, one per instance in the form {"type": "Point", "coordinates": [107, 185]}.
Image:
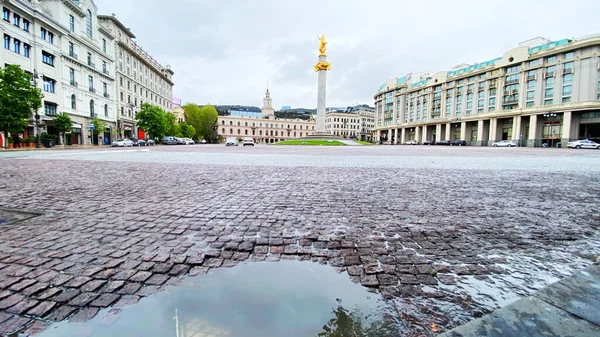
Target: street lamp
{"type": "Point", "coordinates": [36, 116]}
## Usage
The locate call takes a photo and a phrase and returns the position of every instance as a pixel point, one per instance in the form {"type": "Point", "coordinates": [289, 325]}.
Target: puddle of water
{"type": "Point", "coordinates": [286, 298]}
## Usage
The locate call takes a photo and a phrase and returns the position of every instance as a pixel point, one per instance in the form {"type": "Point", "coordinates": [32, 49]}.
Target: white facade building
{"type": "Point", "coordinates": [356, 122]}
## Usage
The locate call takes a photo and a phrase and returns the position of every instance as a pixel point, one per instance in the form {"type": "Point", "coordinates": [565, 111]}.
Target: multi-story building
{"type": "Point", "coordinates": [355, 122]}
{"type": "Point", "coordinates": [264, 127]}
{"type": "Point", "coordinates": [61, 44]}
{"type": "Point", "coordinates": [140, 78]}
{"type": "Point", "coordinates": [542, 92]}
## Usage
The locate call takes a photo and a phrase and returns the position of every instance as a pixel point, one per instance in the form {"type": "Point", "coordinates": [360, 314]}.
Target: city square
{"type": "Point", "coordinates": [435, 230]}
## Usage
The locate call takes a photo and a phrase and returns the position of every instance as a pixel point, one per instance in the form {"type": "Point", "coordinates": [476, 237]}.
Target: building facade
{"type": "Point", "coordinates": [62, 45]}
{"type": "Point", "coordinates": [542, 92]}
{"type": "Point", "coordinates": [265, 128]}
{"type": "Point", "coordinates": [139, 77]}
{"type": "Point", "coordinates": [356, 122]}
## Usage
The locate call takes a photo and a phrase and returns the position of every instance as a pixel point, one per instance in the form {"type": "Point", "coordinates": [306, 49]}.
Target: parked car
{"type": "Point", "coordinates": [122, 143]}
{"type": "Point", "coordinates": [504, 143]}
{"type": "Point", "coordinates": [149, 142]}
{"type": "Point", "coordinates": [411, 142]}
{"type": "Point", "coordinates": [187, 141]}
{"type": "Point", "coordinates": [583, 144]}
{"type": "Point", "coordinates": [169, 140]}
{"type": "Point", "coordinates": [179, 141]}
{"type": "Point", "coordinates": [231, 142]}
{"type": "Point", "coordinates": [248, 141]}
{"type": "Point", "coordinates": [139, 142]}
{"type": "Point", "coordinates": [459, 143]}
{"type": "Point", "coordinates": [202, 141]}
{"type": "Point", "coordinates": [429, 142]}
{"type": "Point", "coordinates": [443, 142]}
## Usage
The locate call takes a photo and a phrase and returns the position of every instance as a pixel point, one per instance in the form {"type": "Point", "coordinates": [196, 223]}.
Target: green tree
{"type": "Point", "coordinates": [208, 117]}
{"type": "Point", "coordinates": [63, 124]}
{"type": "Point", "coordinates": [18, 98]}
{"type": "Point", "coordinates": [187, 130]}
{"type": "Point", "coordinates": [100, 127]}
{"type": "Point", "coordinates": [193, 118]}
{"type": "Point", "coordinates": [152, 119]}
{"type": "Point", "coordinates": [172, 125]}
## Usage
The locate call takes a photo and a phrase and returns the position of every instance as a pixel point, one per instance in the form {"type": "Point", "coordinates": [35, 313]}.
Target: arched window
{"type": "Point", "coordinates": [294, 127]}
{"type": "Point", "coordinates": [246, 124]}
{"type": "Point", "coordinates": [276, 133]}
{"type": "Point", "coordinates": [260, 125]}
{"type": "Point", "coordinates": [260, 132]}
{"type": "Point", "coordinates": [253, 124]}
{"type": "Point", "coordinates": [73, 102]}
{"type": "Point", "coordinates": [271, 132]}
{"type": "Point", "coordinates": [231, 131]}
{"type": "Point", "coordinates": [300, 134]}
{"type": "Point", "coordinates": [222, 122]}
{"type": "Point", "coordinates": [313, 127]}
{"type": "Point", "coordinates": [254, 132]}
{"type": "Point", "coordinates": [246, 132]}
{"type": "Point", "coordinates": [230, 122]}
{"type": "Point", "coordinates": [92, 108]}
{"type": "Point", "coordinates": [238, 123]}
{"type": "Point", "coordinates": [300, 127]}
{"type": "Point", "coordinates": [88, 23]}
{"type": "Point", "coordinates": [106, 110]}
{"type": "Point", "coordinates": [239, 132]}
{"type": "Point", "coordinates": [223, 131]}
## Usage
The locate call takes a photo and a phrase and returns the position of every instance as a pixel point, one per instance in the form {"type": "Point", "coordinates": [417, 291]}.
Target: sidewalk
{"type": "Point", "coordinates": [570, 307]}
{"type": "Point", "coordinates": [56, 147]}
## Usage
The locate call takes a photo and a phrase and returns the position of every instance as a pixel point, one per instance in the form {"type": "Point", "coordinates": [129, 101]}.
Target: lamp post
{"type": "Point", "coordinates": [36, 116]}
{"type": "Point", "coordinates": [550, 115]}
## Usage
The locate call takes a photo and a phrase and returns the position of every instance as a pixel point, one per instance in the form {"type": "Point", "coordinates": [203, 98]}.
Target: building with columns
{"type": "Point", "coordinates": [355, 122]}
{"type": "Point", "coordinates": [264, 127]}
{"type": "Point", "coordinates": [541, 92]}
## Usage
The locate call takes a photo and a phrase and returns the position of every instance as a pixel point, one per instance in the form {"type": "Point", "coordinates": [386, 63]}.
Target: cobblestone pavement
{"type": "Point", "coordinates": [447, 239]}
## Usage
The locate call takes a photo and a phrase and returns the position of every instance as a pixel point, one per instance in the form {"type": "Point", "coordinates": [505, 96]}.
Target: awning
{"type": "Point", "coordinates": [76, 126]}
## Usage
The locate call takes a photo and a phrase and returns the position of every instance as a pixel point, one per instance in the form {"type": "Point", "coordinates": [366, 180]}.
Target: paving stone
{"type": "Point", "coordinates": [129, 288]}
{"type": "Point", "coordinates": [22, 285]}
{"type": "Point", "coordinates": [11, 301]}
{"type": "Point", "coordinates": [9, 281]}
{"type": "Point", "coordinates": [179, 269]}
{"type": "Point", "coordinates": [67, 295]}
{"type": "Point", "coordinates": [140, 276]}
{"type": "Point", "coordinates": [157, 279]}
{"type": "Point", "coordinates": [162, 268]}
{"type": "Point", "coordinates": [93, 285]}
{"type": "Point", "coordinates": [42, 309]}
{"type": "Point", "coordinates": [369, 280]}
{"type": "Point", "coordinates": [105, 300]}
{"type": "Point", "coordinates": [83, 299]}
{"type": "Point", "coordinates": [61, 313]}
{"type": "Point", "coordinates": [126, 301]}
{"type": "Point", "coordinates": [113, 286]}
{"type": "Point", "coordinates": [213, 262]}
{"type": "Point", "coordinates": [84, 315]}
{"type": "Point", "coordinates": [13, 324]}
{"type": "Point", "coordinates": [22, 307]}
{"type": "Point", "coordinates": [61, 279]}
{"type": "Point", "coordinates": [78, 281]}
{"type": "Point", "coordinates": [198, 271]}
{"type": "Point", "coordinates": [48, 293]}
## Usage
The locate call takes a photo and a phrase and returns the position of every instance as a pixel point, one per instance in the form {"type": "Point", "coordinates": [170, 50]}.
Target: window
{"type": "Point", "coordinates": [89, 59]}
{"type": "Point", "coordinates": [51, 37]}
{"type": "Point", "coordinates": [48, 58]}
{"type": "Point", "coordinates": [534, 63]}
{"type": "Point", "coordinates": [551, 59]}
{"type": "Point", "coordinates": [49, 85]}
{"type": "Point", "coordinates": [513, 69]}
{"type": "Point", "coordinates": [73, 102]}
{"type": "Point", "coordinates": [530, 84]}
{"type": "Point", "coordinates": [530, 95]}
{"type": "Point", "coordinates": [91, 108]}
{"type": "Point", "coordinates": [6, 42]}
{"type": "Point", "coordinates": [549, 93]}
{"type": "Point", "coordinates": [569, 55]}
{"type": "Point", "coordinates": [567, 90]}
{"type": "Point", "coordinates": [91, 83]}
{"type": "Point", "coordinates": [568, 65]}
{"type": "Point", "coordinates": [71, 49]}
{"type": "Point", "coordinates": [121, 81]}
{"type": "Point", "coordinates": [43, 33]}
{"type": "Point", "coordinates": [26, 25]}
{"type": "Point", "coordinates": [88, 23]}
{"type": "Point", "coordinates": [568, 78]}
{"type": "Point", "coordinates": [71, 23]}
{"type": "Point", "coordinates": [105, 88]}
{"type": "Point", "coordinates": [26, 49]}
{"type": "Point", "coordinates": [104, 67]}
{"type": "Point", "coordinates": [549, 81]}
{"type": "Point", "coordinates": [106, 110]}
{"type": "Point", "coordinates": [50, 109]}
{"type": "Point", "coordinates": [548, 102]}
{"type": "Point", "coordinates": [17, 20]}
{"type": "Point", "coordinates": [17, 44]}
{"type": "Point", "coordinates": [122, 97]}
{"type": "Point", "coordinates": [104, 45]}
{"type": "Point", "coordinates": [6, 14]}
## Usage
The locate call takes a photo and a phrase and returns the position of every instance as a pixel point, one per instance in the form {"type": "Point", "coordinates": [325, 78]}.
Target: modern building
{"type": "Point", "coordinates": [264, 127]}
{"type": "Point", "coordinates": [354, 122]}
{"type": "Point", "coordinates": [140, 78]}
{"type": "Point", "coordinates": [541, 92]}
{"type": "Point", "coordinates": [69, 54]}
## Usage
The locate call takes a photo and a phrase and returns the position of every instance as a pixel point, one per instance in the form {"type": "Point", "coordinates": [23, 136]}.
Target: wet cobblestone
{"type": "Point", "coordinates": [115, 231]}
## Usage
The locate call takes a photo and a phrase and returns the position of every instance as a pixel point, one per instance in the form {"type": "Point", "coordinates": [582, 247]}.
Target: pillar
{"type": "Point", "coordinates": [395, 136]}
{"type": "Point", "coordinates": [438, 132]}
{"type": "Point", "coordinates": [516, 129]}
{"type": "Point", "coordinates": [463, 131]}
{"type": "Point", "coordinates": [493, 130]}
{"type": "Point", "coordinates": [566, 129]}
{"type": "Point", "coordinates": [417, 133]}
{"type": "Point", "coordinates": [378, 136]}
{"type": "Point", "coordinates": [448, 128]}
{"type": "Point", "coordinates": [480, 125]}
{"type": "Point", "coordinates": [425, 136]}
{"type": "Point", "coordinates": [403, 136]}
{"type": "Point", "coordinates": [321, 98]}
{"type": "Point", "coordinates": [533, 131]}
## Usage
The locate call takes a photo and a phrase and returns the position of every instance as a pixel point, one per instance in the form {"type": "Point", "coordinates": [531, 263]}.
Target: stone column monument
{"type": "Point", "coordinates": [321, 68]}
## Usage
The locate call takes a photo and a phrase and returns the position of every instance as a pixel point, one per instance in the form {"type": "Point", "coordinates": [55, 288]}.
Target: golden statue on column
{"type": "Point", "coordinates": [322, 64]}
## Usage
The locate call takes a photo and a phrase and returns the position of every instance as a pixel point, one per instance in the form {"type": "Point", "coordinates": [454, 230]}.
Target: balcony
{"type": "Point", "coordinates": [93, 90]}
{"type": "Point", "coordinates": [512, 81]}
{"type": "Point", "coordinates": [510, 100]}
{"type": "Point", "coordinates": [107, 95]}
{"type": "Point", "coordinates": [91, 64]}
{"type": "Point", "coordinates": [73, 84]}
{"type": "Point", "coordinates": [73, 55]}
{"type": "Point", "coordinates": [549, 74]}
{"type": "Point", "coordinates": [530, 77]}
{"type": "Point", "coordinates": [567, 71]}
{"type": "Point", "coordinates": [105, 71]}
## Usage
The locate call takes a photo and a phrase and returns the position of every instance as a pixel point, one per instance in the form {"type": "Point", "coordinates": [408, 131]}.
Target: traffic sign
{"type": "Point", "coordinates": [91, 125]}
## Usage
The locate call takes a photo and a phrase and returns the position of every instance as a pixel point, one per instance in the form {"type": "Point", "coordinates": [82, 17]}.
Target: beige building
{"type": "Point", "coordinates": [541, 92]}
{"type": "Point", "coordinates": [265, 128]}
{"type": "Point", "coordinates": [356, 122]}
{"type": "Point", "coordinates": [179, 113]}
{"type": "Point", "coordinates": [139, 77]}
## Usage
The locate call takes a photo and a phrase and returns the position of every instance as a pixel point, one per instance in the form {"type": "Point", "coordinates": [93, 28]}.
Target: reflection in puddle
{"type": "Point", "coordinates": [286, 298]}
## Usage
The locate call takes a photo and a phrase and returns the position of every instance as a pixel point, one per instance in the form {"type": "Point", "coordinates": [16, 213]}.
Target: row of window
{"type": "Point", "coordinates": [260, 133]}
{"type": "Point", "coordinates": [91, 106]}
{"type": "Point", "coordinates": [16, 19]}
{"type": "Point", "coordinates": [17, 46]}
{"type": "Point", "coordinates": [260, 125]}
{"type": "Point", "coordinates": [153, 97]}
{"type": "Point", "coordinates": [46, 35]}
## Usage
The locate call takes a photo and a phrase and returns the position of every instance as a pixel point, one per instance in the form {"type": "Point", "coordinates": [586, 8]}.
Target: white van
{"type": "Point", "coordinates": [231, 141]}
{"type": "Point", "coordinates": [248, 141]}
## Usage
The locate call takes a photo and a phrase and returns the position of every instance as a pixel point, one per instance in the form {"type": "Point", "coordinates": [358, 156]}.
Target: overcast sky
{"type": "Point", "coordinates": [225, 51]}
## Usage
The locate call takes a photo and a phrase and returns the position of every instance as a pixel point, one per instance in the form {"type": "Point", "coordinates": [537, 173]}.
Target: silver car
{"type": "Point", "coordinates": [583, 144]}
{"type": "Point", "coordinates": [504, 143]}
